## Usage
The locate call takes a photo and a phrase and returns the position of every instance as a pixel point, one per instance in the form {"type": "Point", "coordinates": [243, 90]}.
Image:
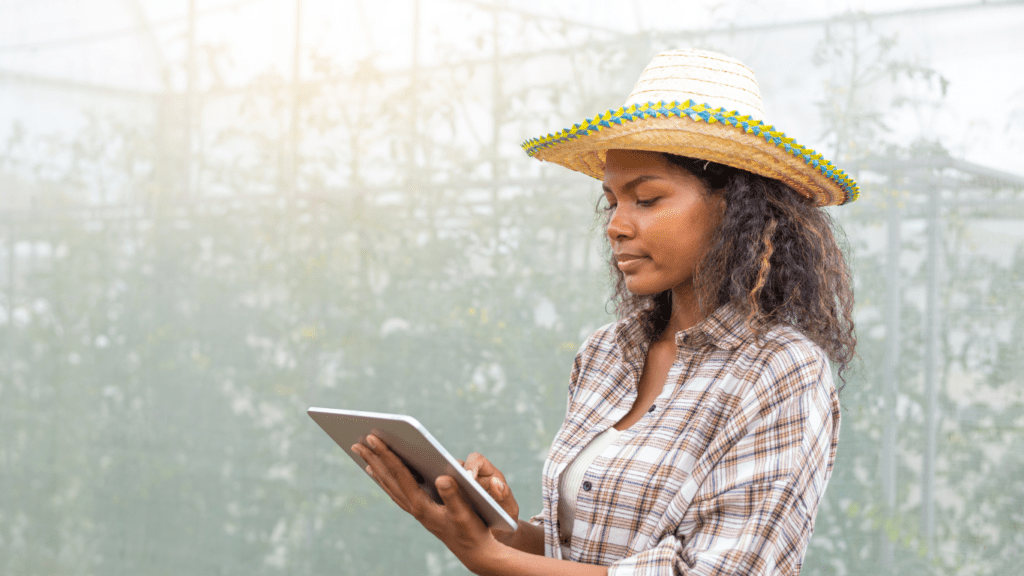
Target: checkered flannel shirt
{"type": "Point", "coordinates": [722, 476]}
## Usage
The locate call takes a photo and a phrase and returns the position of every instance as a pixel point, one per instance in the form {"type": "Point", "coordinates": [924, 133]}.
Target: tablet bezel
{"type": "Point", "coordinates": [411, 441]}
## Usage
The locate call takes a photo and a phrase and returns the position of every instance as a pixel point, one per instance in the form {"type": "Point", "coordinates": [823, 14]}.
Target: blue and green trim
{"type": "Point", "coordinates": [700, 113]}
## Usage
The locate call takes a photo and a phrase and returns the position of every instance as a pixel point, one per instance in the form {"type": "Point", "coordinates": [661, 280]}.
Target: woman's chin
{"type": "Point", "coordinates": [642, 287]}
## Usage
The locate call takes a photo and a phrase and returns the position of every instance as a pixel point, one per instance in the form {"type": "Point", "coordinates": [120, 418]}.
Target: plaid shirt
{"type": "Point", "coordinates": [723, 476]}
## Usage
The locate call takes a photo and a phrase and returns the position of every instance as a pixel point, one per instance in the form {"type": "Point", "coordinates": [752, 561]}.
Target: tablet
{"type": "Point", "coordinates": [423, 454]}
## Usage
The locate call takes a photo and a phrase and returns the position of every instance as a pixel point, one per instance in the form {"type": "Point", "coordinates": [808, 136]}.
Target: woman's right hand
{"type": "Point", "coordinates": [493, 481]}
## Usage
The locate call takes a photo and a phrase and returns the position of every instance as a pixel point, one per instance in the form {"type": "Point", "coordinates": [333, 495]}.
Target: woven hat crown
{"type": "Point", "coordinates": [701, 76]}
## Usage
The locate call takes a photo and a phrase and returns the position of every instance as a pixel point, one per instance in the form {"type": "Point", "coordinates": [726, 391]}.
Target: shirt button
{"type": "Point", "coordinates": [653, 408]}
{"type": "Point", "coordinates": [587, 485]}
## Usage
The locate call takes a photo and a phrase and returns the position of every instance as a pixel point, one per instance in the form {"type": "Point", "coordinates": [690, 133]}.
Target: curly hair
{"type": "Point", "coordinates": [774, 257]}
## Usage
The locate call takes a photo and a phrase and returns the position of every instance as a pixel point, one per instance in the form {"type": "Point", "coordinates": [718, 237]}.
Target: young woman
{"type": "Point", "coordinates": [702, 426]}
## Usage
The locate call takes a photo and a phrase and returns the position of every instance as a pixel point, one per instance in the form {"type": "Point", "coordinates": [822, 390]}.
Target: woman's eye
{"type": "Point", "coordinates": [609, 208]}
{"type": "Point", "coordinates": [644, 203]}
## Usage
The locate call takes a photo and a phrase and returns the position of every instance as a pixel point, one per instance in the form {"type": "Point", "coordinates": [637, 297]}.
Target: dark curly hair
{"type": "Point", "coordinates": [774, 257]}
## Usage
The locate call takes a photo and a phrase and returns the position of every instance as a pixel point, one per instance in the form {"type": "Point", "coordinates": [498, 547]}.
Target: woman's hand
{"type": "Point", "coordinates": [493, 481]}
{"type": "Point", "coordinates": [455, 523]}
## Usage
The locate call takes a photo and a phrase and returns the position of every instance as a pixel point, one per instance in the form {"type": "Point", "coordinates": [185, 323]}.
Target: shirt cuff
{"type": "Point", "coordinates": [537, 520]}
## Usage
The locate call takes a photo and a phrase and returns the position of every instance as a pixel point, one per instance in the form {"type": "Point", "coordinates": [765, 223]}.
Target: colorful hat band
{"type": "Point", "coordinates": [700, 113]}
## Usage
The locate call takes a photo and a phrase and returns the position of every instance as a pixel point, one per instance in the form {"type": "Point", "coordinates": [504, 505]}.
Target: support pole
{"type": "Point", "coordinates": [12, 284]}
{"type": "Point", "coordinates": [931, 371]}
{"type": "Point", "coordinates": [890, 378]}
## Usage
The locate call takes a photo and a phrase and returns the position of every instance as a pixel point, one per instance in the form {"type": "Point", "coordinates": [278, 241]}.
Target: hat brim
{"type": "Point", "coordinates": [697, 131]}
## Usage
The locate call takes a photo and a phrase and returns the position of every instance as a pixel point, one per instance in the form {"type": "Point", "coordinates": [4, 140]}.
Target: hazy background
{"type": "Point", "coordinates": [215, 214]}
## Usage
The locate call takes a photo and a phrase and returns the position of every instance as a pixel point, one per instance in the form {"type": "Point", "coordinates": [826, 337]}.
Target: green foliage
{"type": "Point", "coordinates": [161, 341]}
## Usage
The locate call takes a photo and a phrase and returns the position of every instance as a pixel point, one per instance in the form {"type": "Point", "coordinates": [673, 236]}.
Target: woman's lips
{"type": "Point", "coordinates": [628, 262]}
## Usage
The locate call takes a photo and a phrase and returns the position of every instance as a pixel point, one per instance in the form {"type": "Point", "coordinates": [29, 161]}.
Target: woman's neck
{"type": "Point", "coordinates": [686, 312]}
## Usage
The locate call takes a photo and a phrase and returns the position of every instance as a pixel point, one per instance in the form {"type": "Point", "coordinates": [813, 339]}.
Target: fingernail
{"type": "Point", "coordinates": [497, 485]}
{"type": "Point", "coordinates": [445, 483]}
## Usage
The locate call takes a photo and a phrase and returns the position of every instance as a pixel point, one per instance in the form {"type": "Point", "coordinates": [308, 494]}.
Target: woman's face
{"type": "Point", "coordinates": [662, 220]}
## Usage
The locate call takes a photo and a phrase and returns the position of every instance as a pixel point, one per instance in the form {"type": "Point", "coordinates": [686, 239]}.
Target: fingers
{"type": "Point", "coordinates": [497, 490]}
{"type": "Point", "coordinates": [480, 468]}
{"type": "Point", "coordinates": [477, 463]}
{"type": "Point", "coordinates": [391, 474]}
{"type": "Point", "coordinates": [378, 472]}
{"type": "Point", "coordinates": [457, 506]}
{"type": "Point", "coordinates": [472, 465]}
{"type": "Point", "coordinates": [397, 498]}
{"type": "Point", "coordinates": [502, 494]}
{"type": "Point", "coordinates": [493, 481]}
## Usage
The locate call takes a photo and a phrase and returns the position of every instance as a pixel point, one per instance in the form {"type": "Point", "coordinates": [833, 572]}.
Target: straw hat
{"type": "Point", "coordinates": [702, 105]}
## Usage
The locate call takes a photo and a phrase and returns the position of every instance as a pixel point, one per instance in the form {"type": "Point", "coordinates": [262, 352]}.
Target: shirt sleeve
{"type": "Point", "coordinates": [754, 512]}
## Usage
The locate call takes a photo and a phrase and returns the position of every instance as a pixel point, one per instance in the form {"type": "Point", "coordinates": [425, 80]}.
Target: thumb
{"type": "Point", "coordinates": [450, 495]}
{"type": "Point", "coordinates": [459, 509]}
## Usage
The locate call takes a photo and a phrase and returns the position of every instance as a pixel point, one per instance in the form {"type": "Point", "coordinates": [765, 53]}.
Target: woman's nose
{"type": "Point", "coordinates": [619, 225]}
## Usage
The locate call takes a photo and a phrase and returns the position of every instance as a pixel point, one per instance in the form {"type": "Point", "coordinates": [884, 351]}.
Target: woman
{"type": "Point", "coordinates": [701, 427]}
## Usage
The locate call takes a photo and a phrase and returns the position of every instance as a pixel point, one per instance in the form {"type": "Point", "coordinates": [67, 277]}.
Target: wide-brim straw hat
{"type": "Point", "coordinates": [703, 105]}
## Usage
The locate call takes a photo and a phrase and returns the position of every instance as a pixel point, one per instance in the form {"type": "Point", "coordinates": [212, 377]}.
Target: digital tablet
{"type": "Point", "coordinates": [420, 451]}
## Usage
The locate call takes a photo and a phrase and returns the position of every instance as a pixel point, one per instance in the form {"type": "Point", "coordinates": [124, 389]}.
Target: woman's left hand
{"type": "Point", "coordinates": [455, 523]}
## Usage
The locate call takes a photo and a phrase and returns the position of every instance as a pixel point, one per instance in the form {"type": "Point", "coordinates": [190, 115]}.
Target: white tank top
{"type": "Point", "coordinates": [570, 481]}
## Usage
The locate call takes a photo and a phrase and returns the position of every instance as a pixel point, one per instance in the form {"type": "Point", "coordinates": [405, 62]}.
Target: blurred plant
{"type": "Point", "coordinates": [870, 79]}
{"type": "Point", "coordinates": [871, 87]}
{"type": "Point", "coordinates": [159, 351]}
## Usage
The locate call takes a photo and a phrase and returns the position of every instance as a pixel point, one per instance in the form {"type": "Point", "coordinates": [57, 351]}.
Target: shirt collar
{"type": "Point", "coordinates": [629, 335]}
{"type": "Point", "coordinates": [725, 328]}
